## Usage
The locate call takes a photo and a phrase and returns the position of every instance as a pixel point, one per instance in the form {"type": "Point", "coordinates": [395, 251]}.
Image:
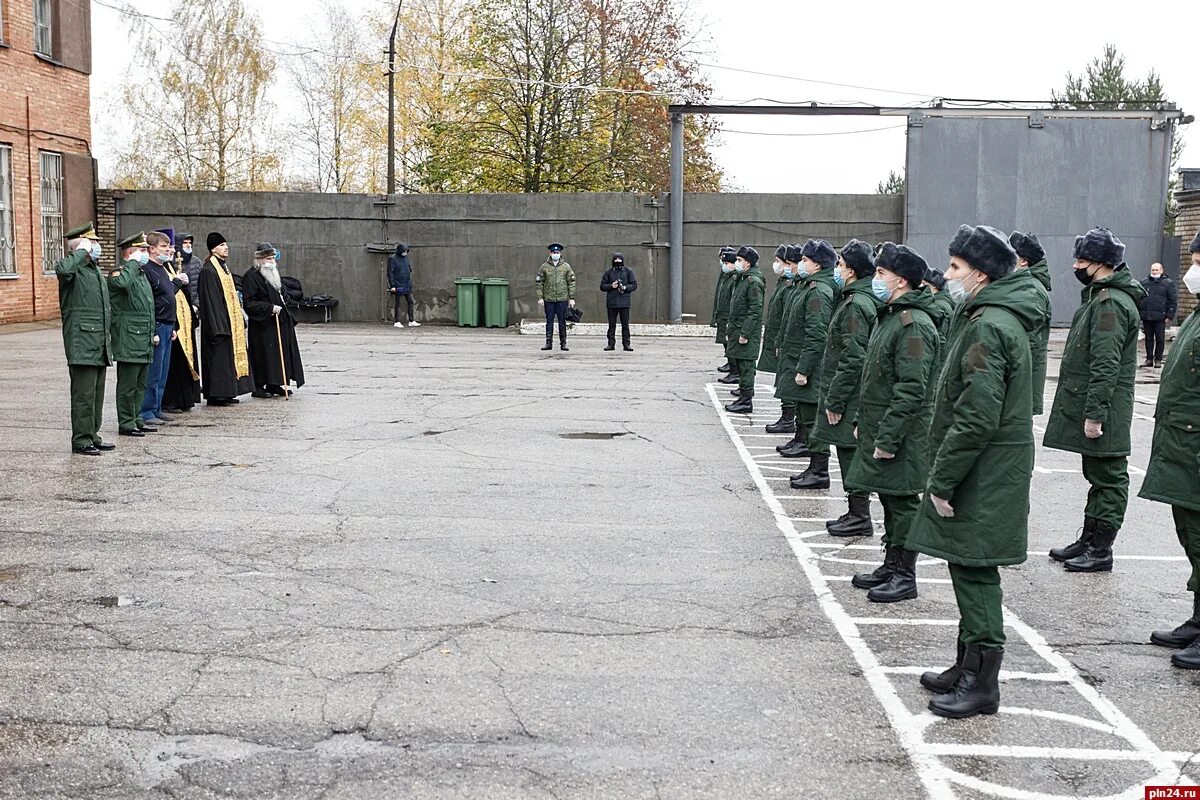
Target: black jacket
{"type": "Point", "coordinates": [1161, 301]}
{"type": "Point", "coordinates": [617, 298]}
{"type": "Point", "coordinates": [164, 292]}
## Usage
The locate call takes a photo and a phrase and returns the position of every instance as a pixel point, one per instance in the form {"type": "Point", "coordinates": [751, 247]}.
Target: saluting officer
{"type": "Point", "coordinates": [556, 293]}
{"type": "Point", "coordinates": [133, 335]}
{"type": "Point", "coordinates": [83, 302]}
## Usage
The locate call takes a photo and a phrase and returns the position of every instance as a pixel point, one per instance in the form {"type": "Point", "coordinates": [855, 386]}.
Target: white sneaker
{"type": "Point", "coordinates": [398, 325]}
{"type": "Point", "coordinates": [414, 324]}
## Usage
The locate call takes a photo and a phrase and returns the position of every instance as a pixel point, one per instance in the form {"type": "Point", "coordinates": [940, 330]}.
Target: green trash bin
{"type": "Point", "coordinates": [495, 303]}
{"type": "Point", "coordinates": [468, 302]}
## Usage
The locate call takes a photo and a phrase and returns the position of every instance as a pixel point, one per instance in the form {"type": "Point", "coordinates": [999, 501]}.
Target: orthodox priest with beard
{"type": "Point", "coordinates": [224, 362]}
{"type": "Point", "coordinates": [265, 307]}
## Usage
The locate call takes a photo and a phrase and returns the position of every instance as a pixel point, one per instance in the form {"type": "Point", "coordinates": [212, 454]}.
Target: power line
{"type": "Point", "coordinates": [826, 133]}
{"type": "Point", "coordinates": [814, 80]}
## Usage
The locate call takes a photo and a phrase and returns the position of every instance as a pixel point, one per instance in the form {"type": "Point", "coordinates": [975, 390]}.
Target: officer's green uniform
{"type": "Point", "coordinates": [1040, 341]}
{"type": "Point", "coordinates": [721, 297]}
{"type": "Point", "coordinates": [803, 338]}
{"type": "Point", "coordinates": [945, 306]}
{"type": "Point", "coordinates": [132, 336]}
{"type": "Point", "coordinates": [1096, 381]}
{"type": "Point", "coordinates": [745, 320]}
{"type": "Point", "coordinates": [768, 361]}
{"type": "Point", "coordinates": [982, 445]}
{"type": "Point", "coordinates": [895, 405]}
{"type": "Point", "coordinates": [556, 282]}
{"type": "Point", "coordinates": [1173, 476]}
{"type": "Point", "coordinates": [841, 372]}
{"type": "Point", "coordinates": [83, 303]}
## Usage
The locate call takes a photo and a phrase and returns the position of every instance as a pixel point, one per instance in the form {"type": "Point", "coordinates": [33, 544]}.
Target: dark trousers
{"type": "Point", "coordinates": [899, 513]}
{"type": "Point", "coordinates": [845, 457]}
{"type": "Point", "coordinates": [87, 404]}
{"type": "Point", "coordinates": [1108, 489]}
{"type": "Point", "coordinates": [980, 605]}
{"type": "Point", "coordinates": [1187, 528]}
{"type": "Point", "coordinates": [556, 309]}
{"type": "Point", "coordinates": [131, 388]}
{"type": "Point", "coordinates": [623, 313]}
{"type": "Point", "coordinates": [396, 304]}
{"type": "Point", "coordinates": [746, 370]}
{"type": "Point", "coordinates": [1156, 338]}
{"type": "Point", "coordinates": [806, 415]}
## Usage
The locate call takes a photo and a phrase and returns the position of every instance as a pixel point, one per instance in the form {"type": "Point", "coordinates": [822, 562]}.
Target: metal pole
{"type": "Point", "coordinates": [391, 157]}
{"type": "Point", "coordinates": [676, 232]}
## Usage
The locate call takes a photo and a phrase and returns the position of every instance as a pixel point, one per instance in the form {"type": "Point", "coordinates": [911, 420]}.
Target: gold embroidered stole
{"type": "Point", "coordinates": [183, 312]}
{"type": "Point", "coordinates": [241, 361]}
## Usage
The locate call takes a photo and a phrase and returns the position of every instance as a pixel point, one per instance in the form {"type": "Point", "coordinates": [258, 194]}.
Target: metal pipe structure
{"type": "Point", "coordinates": [391, 147]}
{"type": "Point", "coordinates": [676, 233]}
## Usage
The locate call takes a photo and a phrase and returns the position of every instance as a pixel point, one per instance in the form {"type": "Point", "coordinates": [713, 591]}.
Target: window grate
{"type": "Point", "coordinates": [52, 205]}
{"type": "Point", "coordinates": [8, 261]}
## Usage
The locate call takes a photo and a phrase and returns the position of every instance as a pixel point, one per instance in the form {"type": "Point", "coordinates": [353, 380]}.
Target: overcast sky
{"type": "Point", "coordinates": [884, 53]}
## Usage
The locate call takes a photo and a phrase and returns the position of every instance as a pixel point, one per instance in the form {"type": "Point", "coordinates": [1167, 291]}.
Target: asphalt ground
{"type": "Point", "coordinates": [457, 566]}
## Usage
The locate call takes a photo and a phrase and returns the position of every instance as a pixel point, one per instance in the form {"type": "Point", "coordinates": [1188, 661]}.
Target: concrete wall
{"type": "Point", "coordinates": [329, 241]}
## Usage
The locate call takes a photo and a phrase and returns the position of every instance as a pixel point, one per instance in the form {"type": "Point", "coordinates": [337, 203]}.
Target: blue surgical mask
{"type": "Point", "coordinates": [726, 267]}
{"type": "Point", "coordinates": [838, 279]}
{"type": "Point", "coordinates": [879, 287]}
{"type": "Point", "coordinates": [787, 272]}
{"type": "Point", "coordinates": [96, 251]}
{"type": "Point", "coordinates": [187, 249]}
{"type": "Point", "coordinates": [142, 257]}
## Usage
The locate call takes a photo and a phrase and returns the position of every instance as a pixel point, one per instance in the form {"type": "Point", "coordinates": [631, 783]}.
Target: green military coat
{"type": "Point", "coordinates": [768, 361]}
{"type": "Point", "coordinates": [83, 302]}
{"type": "Point", "coordinates": [944, 309]}
{"type": "Point", "coordinates": [842, 365]}
{"type": "Point", "coordinates": [981, 438]}
{"type": "Point", "coordinates": [745, 315]}
{"type": "Point", "coordinates": [1040, 339]}
{"type": "Point", "coordinates": [1096, 377]}
{"type": "Point", "coordinates": [896, 400]}
{"type": "Point", "coordinates": [802, 338]}
{"type": "Point", "coordinates": [1174, 472]}
{"type": "Point", "coordinates": [556, 282]}
{"type": "Point", "coordinates": [721, 297]}
{"type": "Point", "coordinates": [132, 314]}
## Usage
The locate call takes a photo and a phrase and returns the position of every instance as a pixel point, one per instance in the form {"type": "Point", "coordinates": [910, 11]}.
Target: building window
{"type": "Point", "coordinates": [43, 39]}
{"type": "Point", "coordinates": [52, 207]}
{"type": "Point", "coordinates": [8, 260]}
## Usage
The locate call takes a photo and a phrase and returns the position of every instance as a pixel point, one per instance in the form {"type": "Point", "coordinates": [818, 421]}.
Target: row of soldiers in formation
{"type": "Point", "coordinates": [169, 343]}
{"type": "Point", "coordinates": [927, 384]}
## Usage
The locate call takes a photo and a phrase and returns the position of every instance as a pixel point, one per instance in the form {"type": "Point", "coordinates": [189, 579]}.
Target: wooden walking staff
{"type": "Point", "coordinates": [287, 392]}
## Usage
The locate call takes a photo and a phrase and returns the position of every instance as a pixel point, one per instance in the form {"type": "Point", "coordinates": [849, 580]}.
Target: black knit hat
{"type": "Point", "coordinates": [749, 253]}
{"type": "Point", "coordinates": [728, 255]}
{"type": "Point", "coordinates": [859, 258]}
{"type": "Point", "coordinates": [988, 251]}
{"type": "Point", "coordinates": [904, 261]}
{"type": "Point", "coordinates": [214, 240]}
{"type": "Point", "coordinates": [1195, 246]}
{"type": "Point", "coordinates": [781, 252]}
{"type": "Point", "coordinates": [1100, 247]}
{"type": "Point", "coordinates": [935, 278]}
{"type": "Point", "coordinates": [821, 252]}
{"type": "Point", "coordinates": [1027, 246]}
{"type": "Point", "coordinates": [960, 238]}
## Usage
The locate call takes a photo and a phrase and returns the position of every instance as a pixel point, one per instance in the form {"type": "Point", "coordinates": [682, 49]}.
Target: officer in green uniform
{"type": "Point", "coordinates": [1032, 257]}
{"type": "Point", "coordinates": [777, 309]}
{"type": "Point", "coordinates": [133, 334]}
{"type": "Point", "coordinates": [1093, 406]}
{"type": "Point", "coordinates": [1172, 476]}
{"type": "Point", "coordinates": [935, 281]}
{"type": "Point", "coordinates": [83, 303]}
{"type": "Point", "coordinates": [720, 315]}
{"type": "Point", "coordinates": [812, 310]}
{"type": "Point", "coordinates": [744, 330]}
{"type": "Point", "coordinates": [555, 294]}
{"type": "Point", "coordinates": [976, 506]}
{"type": "Point", "coordinates": [895, 407]}
{"type": "Point", "coordinates": [841, 377]}
{"type": "Point", "coordinates": [768, 358]}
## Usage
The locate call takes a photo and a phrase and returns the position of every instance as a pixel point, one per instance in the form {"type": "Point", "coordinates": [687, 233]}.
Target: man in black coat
{"type": "Point", "coordinates": [270, 324]}
{"type": "Point", "coordinates": [1160, 305]}
{"type": "Point", "coordinates": [618, 283]}
{"type": "Point", "coordinates": [224, 364]}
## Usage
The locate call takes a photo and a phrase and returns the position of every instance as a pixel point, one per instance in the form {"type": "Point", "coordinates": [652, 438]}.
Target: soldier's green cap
{"type": "Point", "coordinates": [135, 240]}
{"type": "Point", "coordinates": [84, 231]}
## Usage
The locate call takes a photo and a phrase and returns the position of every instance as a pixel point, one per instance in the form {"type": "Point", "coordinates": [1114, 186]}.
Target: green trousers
{"type": "Point", "coordinates": [845, 455]}
{"type": "Point", "coordinates": [806, 413]}
{"type": "Point", "coordinates": [1187, 528]}
{"type": "Point", "coordinates": [747, 369]}
{"type": "Point", "coordinates": [1108, 490]}
{"type": "Point", "coordinates": [87, 405]}
{"type": "Point", "coordinates": [980, 605]}
{"type": "Point", "coordinates": [899, 513]}
{"type": "Point", "coordinates": [131, 390]}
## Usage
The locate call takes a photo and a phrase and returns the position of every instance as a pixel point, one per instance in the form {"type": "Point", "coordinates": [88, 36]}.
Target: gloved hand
{"type": "Point", "coordinates": [942, 507]}
{"type": "Point", "coordinates": [883, 455]}
{"type": "Point", "coordinates": [801, 380]}
{"type": "Point", "coordinates": [1092, 429]}
{"type": "Point", "coordinates": [276, 309]}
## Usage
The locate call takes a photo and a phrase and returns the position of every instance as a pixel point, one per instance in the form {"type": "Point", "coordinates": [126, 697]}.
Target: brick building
{"type": "Point", "coordinates": [47, 174]}
{"type": "Point", "coordinates": [1186, 225]}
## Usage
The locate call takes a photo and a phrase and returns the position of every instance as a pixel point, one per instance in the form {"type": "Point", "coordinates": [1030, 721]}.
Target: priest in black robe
{"type": "Point", "coordinates": [274, 352]}
{"type": "Point", "coordinates": [224, 360]}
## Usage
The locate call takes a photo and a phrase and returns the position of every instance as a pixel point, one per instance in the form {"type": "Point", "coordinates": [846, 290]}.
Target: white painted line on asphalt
{"type": "Point", "coordinates": [1016, 751]}
{"type": "Point", "coordinates": [837, 499]}
{"type": "Point", "coordinates": [1118, 556]}
{"type": "Point", "coordinates": [1005, 675]}
{"type": "Point", "coordinates": [1136, 470]}
{"type": "Point", "coordinates": [1048, 470]}
{"type": "Point", "coordinates": [938, 623]}
{"type": "Point", "coordinates": [823, 519]}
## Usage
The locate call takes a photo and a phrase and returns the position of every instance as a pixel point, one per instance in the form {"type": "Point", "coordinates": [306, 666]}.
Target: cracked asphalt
{"type": "Point", "coordinates": [406, 582]}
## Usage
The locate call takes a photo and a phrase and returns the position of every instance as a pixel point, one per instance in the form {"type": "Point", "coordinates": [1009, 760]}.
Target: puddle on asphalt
{"type": "Point", "coordinates": [592, 435]}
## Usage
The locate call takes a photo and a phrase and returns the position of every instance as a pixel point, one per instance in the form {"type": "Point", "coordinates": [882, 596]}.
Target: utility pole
{"type": "Point", "coordinates": [391, 164]}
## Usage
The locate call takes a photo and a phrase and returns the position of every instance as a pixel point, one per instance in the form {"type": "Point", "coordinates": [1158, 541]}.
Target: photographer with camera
{"type": "Point", "coordinates": [618, 283]}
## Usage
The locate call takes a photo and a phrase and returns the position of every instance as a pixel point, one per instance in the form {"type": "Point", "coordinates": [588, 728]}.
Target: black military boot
{"type": "Point", "coordinates": [786, 422]}
{"type": "Point", "coordinates": [1077, 547]}
{"type": "Point", "coordinates": [1185, 634]}
{"type": "Point", "coordinates": [1098, 557]}
{"type": "Point", "coordinates": [743, 405]}
{"type": "Point", "coordinates": [549, 343]}
{"type": "Point", "coordinates": [879, 575]}
{"type": "Point", "coordinates": [799, 437]}
{"type": "Point", "coordinates": [856, 521]}
{"type": "Point", "coordinates": [1188, 657]}
{"type": "Point", "coordinates": [942, 682]}
{"type": "Point", "coordinates": [797, 449]}
{"type": "Point", "coordinates": [816, 476]}
{"type": "Point", "coordinates": [730, 377]}
{"type": "Point", "coordinates": [724, 368]}
{"type": "Point", "coordinates": [562, 344]}
{"type": "Point", "coordinates": [903, 583]}
{"type": "Point", "coordinates": [977, 690]}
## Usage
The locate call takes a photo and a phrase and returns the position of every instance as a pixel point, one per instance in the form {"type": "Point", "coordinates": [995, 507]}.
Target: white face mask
{"type": "Point", "coordinates": [777, 267]}
{"type": "Point", "coordinates": [187, 249]}
{"type": "Point", "coordinates": [555, 257]}
{"type": "Point", "coordinates": [1191, 279]}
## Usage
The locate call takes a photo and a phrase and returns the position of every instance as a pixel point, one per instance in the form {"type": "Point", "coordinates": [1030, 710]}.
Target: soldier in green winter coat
{"type": "Point", "coordinates": [895, 406]}
{"type": "Point", "coordinates": [785, 290]}
{"type": "Point", "coordinates": [768, 360]}
{"type": "Point", "coordinates": [1172, 476]}
{"type": "Point", "coordinates": [133, 334]}
{"type": "Point", "coordinates": [556, 293]}
{"type": "Point", "coordinates": [812, 310]}
{"type": "Point", "coordinates": [83, 303]}
{"type": "Point", "coordinates": [935, 281]}
{"type": "Point", "coordinates": [720, 312]}
{"type": "Point", "coordinates": [744, 330]}
{"type": "Point", "coordinates": [841, 377]}
{"type": "Point", "coordinates": [1032, 257]}
{"type": "Point", "coordinates": [976, 506]}
{"type": "Point", "coordinates": [1093, 406]}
